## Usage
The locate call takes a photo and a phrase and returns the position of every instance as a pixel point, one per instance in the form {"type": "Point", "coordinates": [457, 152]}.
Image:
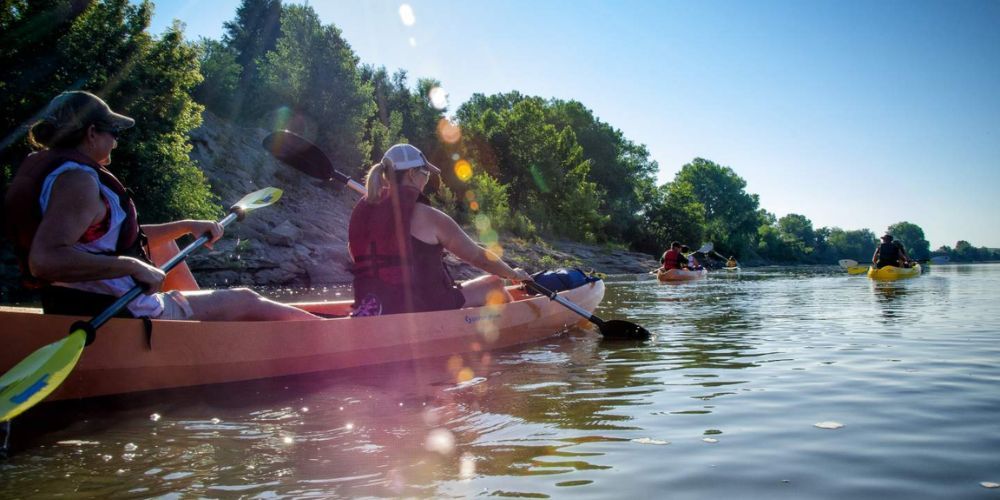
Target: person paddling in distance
{"type": "Point", "coordinates": [889, 253]}
{"type": "Point", "coordinates": [76, 231]}
{"type": "Point", "coordinates": [731, 262]}
{"type": "Point", "coordinates": [396, 240]}
{"type": "Point", "coordinates": [673, 259]}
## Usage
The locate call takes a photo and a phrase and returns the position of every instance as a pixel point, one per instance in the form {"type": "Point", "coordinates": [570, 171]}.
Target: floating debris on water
{"type": "Point", "coordinates": [990, 485]}
{"type": "Point", "coordinates": [829, 425]}
{"type": "Point", "coordinates": [710, 440]}
{"type": "Point", "coordinates": [650, 441]}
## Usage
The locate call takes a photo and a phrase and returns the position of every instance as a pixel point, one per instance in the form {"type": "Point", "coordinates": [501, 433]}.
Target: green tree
{"type": "Point", "coordinates": [854, 244]}
{"type": "Point", "coordinates": [220, 90]}
{"type": "Point", "coordinates": [675, 214]}
{"type": "Point", "coordinates": [912, 237]}
{"type": "Point", "coordinates": [249, 37]}
{"type": "Point", "coordinates": [312, 82]}
{"type": "Point", "coordinates": [731, 220]}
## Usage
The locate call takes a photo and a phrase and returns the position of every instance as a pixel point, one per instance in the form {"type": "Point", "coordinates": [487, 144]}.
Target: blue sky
{"type": "Point", "coordinates": [854, 114]}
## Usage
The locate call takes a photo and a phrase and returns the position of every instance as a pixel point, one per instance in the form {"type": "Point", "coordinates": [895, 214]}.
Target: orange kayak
{"type": "Point", "coordinates": [188, 353]}
{"type": "Point", "coordinates": [680, 275]}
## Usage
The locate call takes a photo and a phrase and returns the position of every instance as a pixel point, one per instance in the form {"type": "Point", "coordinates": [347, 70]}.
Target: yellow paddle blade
{"type": "Point", "coordinates": [39, 374]}
{"type": "Point", "coordinates": [259, 199]}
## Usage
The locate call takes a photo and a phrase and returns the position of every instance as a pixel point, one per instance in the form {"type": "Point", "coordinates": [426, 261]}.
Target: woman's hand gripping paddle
{"type": "Point", "coordinates": [35, 377]}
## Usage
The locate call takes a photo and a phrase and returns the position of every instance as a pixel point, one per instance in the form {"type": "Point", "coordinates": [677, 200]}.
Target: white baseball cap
{"type": "Point", "coordinates": [407, 156]}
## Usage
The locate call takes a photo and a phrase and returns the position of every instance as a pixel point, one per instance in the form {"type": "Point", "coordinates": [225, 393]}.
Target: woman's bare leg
{"type": "Point", "coordinates": [484, 290]}
{"type": "Point", "coordinates": [240, 304]}
{"type": "Point", "coordinates": [180, 277]}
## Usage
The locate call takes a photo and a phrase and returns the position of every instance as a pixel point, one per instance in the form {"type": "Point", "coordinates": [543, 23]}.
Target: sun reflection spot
{"type": "Point", "coordinates": [155, 417]}
{"type": "Point", "coordinates": [455, 364]}
{"type": "Point", "coordinates": [438, 97]}
{"type": "Point", "coordinates": [463, 170]}
{"type": "Point", "coordinates": [441, 441]}
{"type": "Point", "coordinates": [495, 298]}
{"type": "Point", "coordinates": [406, 15]}
{"type": "Point", "coordinates": [448, 131]}
{"type": "Point", "coordinates": [305, 409]}
{"type": "Point", "coordinates": [467, 466]}
{"type": "Point", "coordinates": [288, 440]}
{"type": "Point", "coordinates": [349, 426]}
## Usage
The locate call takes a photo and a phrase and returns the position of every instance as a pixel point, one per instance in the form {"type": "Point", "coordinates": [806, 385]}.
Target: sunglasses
{"type": "Point", "coordinates": [112, 131]}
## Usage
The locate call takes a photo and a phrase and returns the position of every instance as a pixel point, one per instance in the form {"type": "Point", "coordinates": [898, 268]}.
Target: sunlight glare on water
{"type": "Point", "coordinates": [767, 383]}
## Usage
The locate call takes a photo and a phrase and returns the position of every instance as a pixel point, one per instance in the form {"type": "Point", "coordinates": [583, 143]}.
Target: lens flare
{"type": "Point", "coordinates": [495, 298]}
{"type": "Point", "coordinates": [463, 170]}
{"type": "Point", "coordinates": [406, 15]}
{"type": "Point", "coordinates": [448, 131]}
{"type": "Point", "coordinates": [464, 375]}
{"type": "Point", "coordinates": [441, 441]}
{"type": "Point", "coordinates": [438, 97]}
{"type": "Point", "coordinates": [474, 206]}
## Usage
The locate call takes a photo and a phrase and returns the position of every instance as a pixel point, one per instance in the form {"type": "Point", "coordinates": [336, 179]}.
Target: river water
{"type": "Point", "coordinates": [770, 383]}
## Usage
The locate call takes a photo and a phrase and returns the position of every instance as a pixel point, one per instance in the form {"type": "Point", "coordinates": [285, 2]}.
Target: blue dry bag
{"type": "Point", "coordinates": [563, 278]}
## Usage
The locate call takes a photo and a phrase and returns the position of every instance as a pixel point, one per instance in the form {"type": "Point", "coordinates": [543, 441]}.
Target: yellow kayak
{"type": "Point", "coordinates": [893, 272]}
{"type": "Point", "coordinates": [859, 269]}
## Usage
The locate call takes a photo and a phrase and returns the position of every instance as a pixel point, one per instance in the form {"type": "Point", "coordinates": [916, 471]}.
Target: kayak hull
{"type": "Point", "coordinates": [189, 353]}
{"type": "Point", "coordinates": [894, 273]}
{"type": "Point", "coordinates": [675, 275]}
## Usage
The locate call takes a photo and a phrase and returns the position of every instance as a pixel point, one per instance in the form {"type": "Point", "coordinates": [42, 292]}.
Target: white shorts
{"type": "Point", "coordinates": [175, 306]}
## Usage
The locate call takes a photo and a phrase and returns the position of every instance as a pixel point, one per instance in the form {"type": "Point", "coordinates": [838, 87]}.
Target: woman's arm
{"type": "Point", "coordinates": [75, 203]}
{"type": "Point", "coordinates": [456, 241]}
{"type": "Point", "coordinates": [159, 234]}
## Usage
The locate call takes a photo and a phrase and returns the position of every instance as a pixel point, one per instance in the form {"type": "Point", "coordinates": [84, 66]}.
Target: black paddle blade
{"type": "Point", "coordinates": [617, 329]}
{"type": "Point", "coordinates": [300, 154]}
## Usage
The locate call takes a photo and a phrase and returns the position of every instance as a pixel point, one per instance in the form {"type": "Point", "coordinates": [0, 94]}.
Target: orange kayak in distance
{"type": "Point", "coordinates": [680, 275]}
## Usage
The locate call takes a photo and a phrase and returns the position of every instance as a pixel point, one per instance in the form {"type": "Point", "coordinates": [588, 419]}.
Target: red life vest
{"type": "Point", "coordinates": [672, 259]}
{"type": "Point", "coordinates": [400, 272]}
{"type": "Point", "coordinates": [23, 213]}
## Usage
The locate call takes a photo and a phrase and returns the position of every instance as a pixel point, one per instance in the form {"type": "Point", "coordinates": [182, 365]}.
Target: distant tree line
{"type": "Point", "coordinates": [513, 164]}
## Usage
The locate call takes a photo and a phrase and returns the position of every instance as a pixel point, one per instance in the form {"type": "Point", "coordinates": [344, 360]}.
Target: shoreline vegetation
{"type": "Point", "coordinates": [541, 179]}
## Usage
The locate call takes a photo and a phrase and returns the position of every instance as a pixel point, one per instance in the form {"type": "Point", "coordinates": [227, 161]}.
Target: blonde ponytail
{"type": "Point", "coordinates": [374, 182]}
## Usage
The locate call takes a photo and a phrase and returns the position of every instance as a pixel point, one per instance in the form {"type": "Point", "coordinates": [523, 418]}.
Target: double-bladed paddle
{"type": "Point", "coordinates": [35, 377]}
{"type": "Point", "coordinates": [297, 152]}
{"type": "Point", "coordinates": [304, 156]}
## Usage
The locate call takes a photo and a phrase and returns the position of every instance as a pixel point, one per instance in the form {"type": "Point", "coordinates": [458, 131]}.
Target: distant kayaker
{"type": "Point", "coordinates": [731, 262]}
{"type": "Point", "coordinates": [397, 241]}
{"type": "Point", "coordinates": [672, 258]}
{"type": "Point", "coordinates": [76, 232]}
{"type": "Point", "coordinates": [889, 253]}
{"type": "Point", "coordinates": [692, 261]}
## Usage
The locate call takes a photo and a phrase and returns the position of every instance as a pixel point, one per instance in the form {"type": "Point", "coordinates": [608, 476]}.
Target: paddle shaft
{"type": "Point", "coordinates": [569, 305]}
{"type": "Point", "coordinates": [129, 296]}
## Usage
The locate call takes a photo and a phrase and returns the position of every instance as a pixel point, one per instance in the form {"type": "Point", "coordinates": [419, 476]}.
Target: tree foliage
{"type": "Point", "coordinates": [912, 237]}
{"type": "Point", "coordinates": [731, 221]}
